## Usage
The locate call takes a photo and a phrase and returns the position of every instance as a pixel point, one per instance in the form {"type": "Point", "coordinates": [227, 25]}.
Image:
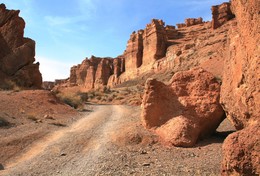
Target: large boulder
{"type": "Point", "coordinates": [241, 152]}
{"type": "Point", "coordinates": [17, 53]}
{"type": "Point", "coordinates": [240, 91]}
{"type": "Point", "coordinates": [185, 110]}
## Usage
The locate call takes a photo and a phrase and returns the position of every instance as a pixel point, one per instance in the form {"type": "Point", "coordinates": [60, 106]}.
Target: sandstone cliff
{"type": "Point", "coordinates": [158, 48]}
{"type": "Point", "coordinates": [17, 53]}
{"type": "Point", "coordinates": [240, 92]}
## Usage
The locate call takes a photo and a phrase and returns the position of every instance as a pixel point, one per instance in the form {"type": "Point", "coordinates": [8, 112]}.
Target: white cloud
{"type": "Point", "coordinates": [56, 20]}
{"type": "Point", "coordinates": [52, 69]}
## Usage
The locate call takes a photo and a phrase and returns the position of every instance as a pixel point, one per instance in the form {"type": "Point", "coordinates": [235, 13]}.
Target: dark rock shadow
{"type": "Point", "coordinates": [217, 137]}
{"type": "Point", "coordinates": [1, 167]}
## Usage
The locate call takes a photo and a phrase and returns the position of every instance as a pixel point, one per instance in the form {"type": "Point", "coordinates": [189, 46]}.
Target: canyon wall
{"type": "Point", "coordinates": [17, 53]}
{"type": "Point", "coordinates": [240, 92]}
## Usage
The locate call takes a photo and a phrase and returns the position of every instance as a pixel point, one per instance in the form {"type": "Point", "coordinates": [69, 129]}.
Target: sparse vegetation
{"type": "Point", "coordinates": [71, 99]}
{"type": "Point", "coordinates": [32, 117]}
{"type": "Point", "coordinates": [10, 85]}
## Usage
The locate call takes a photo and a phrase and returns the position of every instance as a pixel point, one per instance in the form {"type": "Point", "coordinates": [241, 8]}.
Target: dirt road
{"type": "Point", "coordinates": [72, 150]}
{"type": "Point", "coordinates": [111, 141]}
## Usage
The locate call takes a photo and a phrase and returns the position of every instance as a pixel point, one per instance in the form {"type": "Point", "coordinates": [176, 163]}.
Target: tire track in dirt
{"type": "Point", "coordinates": [98, 125]}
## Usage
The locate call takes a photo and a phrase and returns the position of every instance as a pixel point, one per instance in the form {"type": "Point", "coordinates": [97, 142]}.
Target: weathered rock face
{"type": "Point", "coordinates": [221, 14]}
{"type": "Point", "coordinates": [104, 71]}
{"type": "Point", "coordinates": [78, 73]}
{"type": "Point", "coordinates": [240, 91]}
{"type": "Point", "coordinates": [241, 152]}
{"type": "Point", "coordinates": [160, 48]}
{"type": "Point", "coordinates": [154, 41]}
{"type": "Point", "coordinates": [241, 85]}
{"type": "Point", "coordinates": [190, 22]}
{"type": "Point", "coordinates": [95, 72]}
{"type": "Point", "coordinates": [134, 50]}
{"type": "Point", "coordinates": [185, 110]}
{"type": "Point", "coordinates": [193, 21]}
{"type": "Point", "coordinates": [17, 53]}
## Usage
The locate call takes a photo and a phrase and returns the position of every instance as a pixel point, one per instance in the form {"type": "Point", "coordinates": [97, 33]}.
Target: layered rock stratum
{"type": "Point", "coordinates": [240, 91]}
{"type": "Point", "coordinates": [17, 53]}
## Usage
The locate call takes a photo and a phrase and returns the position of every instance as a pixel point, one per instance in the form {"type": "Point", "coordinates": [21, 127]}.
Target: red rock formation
{"type": "Point", "coordinates": [241, 152]}
{"type": "Point", "coordinates": [134, 50]}
{"type": "Point", "coordinates": [171, 32]}
{"type": "Point", "coordinates": [185, 110]}
{"type": "Point", "coordinates": [119, 65]}
{"type": "Point", "coordinates": [17, 53]}
{"type": "Point", "coordinates": [154, 42]}
{"type": "Point", "coordinates": [104, 71]}
{"type": "Point", "coordinates": [181, 25]}
{"type": "Point", "coordinates": [241, 85]}
{"type": "Point", "coordinates": [240, 90]}
{"type": "Point", "coordinates": [221, 14]}
{"type": "Point", "coordinates": [190, 22]}
{"type": "Point", "coordinates": [95, 72]}
{"type": "Point", "coordinates": [78, 73]}
{"type": "Point", "coordinates": [193, 21]}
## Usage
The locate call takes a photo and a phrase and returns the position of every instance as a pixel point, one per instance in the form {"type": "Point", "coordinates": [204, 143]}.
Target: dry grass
{"type": "Point", "coordinates": [72, 99]}
{"type": "Point", "coordinates": [10, 85]}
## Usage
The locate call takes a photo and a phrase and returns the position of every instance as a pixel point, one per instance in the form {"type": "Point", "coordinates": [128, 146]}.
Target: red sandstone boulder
{"type": "Point", "coordinates": [17, 53]}
{"type": "Point", "coordinates": [221, 14]}
{"type": "Point", "coordinates": [185, 110]}
{"type": "Point", "coordinates": [241, 152]}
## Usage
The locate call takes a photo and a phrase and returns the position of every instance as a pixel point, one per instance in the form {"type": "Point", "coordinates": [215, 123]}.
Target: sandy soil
{"type": "Point", "coordinates": [111, 141]}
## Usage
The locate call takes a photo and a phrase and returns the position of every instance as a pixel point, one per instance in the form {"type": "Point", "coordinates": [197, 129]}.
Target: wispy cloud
{"type": "Point", "coordinates": [57, 20]}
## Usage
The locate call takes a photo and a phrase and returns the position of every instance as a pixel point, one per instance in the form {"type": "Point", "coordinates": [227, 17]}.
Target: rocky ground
{"type": "Point", "coordinates": [105, 140]}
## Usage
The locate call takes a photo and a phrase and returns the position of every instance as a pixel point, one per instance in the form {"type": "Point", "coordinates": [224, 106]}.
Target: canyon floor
{"type": "Point", "coordinates": [102, 140]}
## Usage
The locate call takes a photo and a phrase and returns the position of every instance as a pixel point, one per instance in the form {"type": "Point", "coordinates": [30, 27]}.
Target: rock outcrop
{"type": "Point", "coordinates": [241, 152]}
{"type": "Point", "coordinates": [185, 110]}
{"type": "Point", "coordinates": [159, 48]}
{"type": "Point", "coordinates": [221, 14]}
{"type": "Point", "coordinates": [17, 53]}
{"type": "Point", "coordinates": [190, 22]}
{"type": "Point", "coordinates": [241, 85]}
{"type": "Point", "coordinates": [94, 72]}
{"type": "Point", "coordinates": [154, 41]}
{"type": "Point", "coordinates": [240, 92]}
{"type": "Point", "coordinates": [134, 51]}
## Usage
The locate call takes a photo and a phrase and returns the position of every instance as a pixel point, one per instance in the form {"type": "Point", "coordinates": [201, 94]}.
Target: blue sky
{"type": "Point", "coordinates": [68, 31]}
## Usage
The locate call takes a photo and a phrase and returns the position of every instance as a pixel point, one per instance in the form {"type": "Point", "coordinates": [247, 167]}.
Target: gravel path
{"type": "Point", "coordinates": [91, 146]}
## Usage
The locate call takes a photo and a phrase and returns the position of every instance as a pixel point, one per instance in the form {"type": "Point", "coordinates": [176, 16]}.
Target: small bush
{"type": "Point", "coordinates": [10, 85]}
{"type": "Point", "coordinates": [83, 96]}
{"type": "Point", "coordinates": [74, 100]}
{"type": "Point", "coordinates": [32, 117]}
